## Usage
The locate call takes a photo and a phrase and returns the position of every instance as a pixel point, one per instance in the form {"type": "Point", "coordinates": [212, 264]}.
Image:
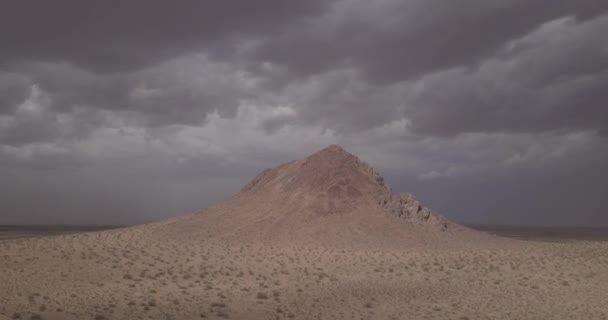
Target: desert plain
{"type": "Point", "coordinates": [318, 238]}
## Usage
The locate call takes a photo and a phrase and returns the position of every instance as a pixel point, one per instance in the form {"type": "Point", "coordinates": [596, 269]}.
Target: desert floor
{"type": "Point", "coordinates": [135, 273]}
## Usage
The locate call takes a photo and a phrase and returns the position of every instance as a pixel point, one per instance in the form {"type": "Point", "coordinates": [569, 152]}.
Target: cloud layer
{"type": "Point", "coordinates": [490, 111]}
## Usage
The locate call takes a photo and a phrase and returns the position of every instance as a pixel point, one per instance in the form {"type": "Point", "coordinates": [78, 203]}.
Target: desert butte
{"type": "Point", "coordinates": [318, 238]}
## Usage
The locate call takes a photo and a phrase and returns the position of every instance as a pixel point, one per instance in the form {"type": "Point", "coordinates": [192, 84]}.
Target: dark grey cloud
{"type": "Point", "coordinates": [106, 56]}
{"type": "Point", "coordinates": [123, 112]}
{"type": "Point", "coordinates": [33, 120]}
{"type": "Point", "coordinates": [49, 101]}
{"type": "Point", "coordinates": [116, 35]}
{"type": "Point", "coordinates": [550, 79]}
{"type": "Point", "coordinates": [395, 40]}
{"type": "Point", "coordinates": [543, 74]}
{"type": "Point", "coordinates": [344, 101]}
{"type": "Point", "coordinates": [14, 88]}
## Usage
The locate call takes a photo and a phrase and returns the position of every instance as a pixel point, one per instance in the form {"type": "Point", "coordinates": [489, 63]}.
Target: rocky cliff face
{"type": "Point", "coordinates": [406, 207]}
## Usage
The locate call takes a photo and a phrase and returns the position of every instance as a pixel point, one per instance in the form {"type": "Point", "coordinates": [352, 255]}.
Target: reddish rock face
{"type": "Point", "coordinates": [331, 198]}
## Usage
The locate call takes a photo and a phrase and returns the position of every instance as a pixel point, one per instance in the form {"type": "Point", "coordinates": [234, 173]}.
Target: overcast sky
{"type": "Point", "coordinates": [489, 111]}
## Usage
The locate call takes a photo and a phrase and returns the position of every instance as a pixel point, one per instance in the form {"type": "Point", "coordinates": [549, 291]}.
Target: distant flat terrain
{"type": "Point", "coordinates": [16, 232]}
{"type": "Point", "coordinates": [552, 234]}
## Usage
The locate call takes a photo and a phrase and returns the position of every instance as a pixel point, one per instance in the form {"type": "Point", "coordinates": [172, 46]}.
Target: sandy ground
{"type": "Point", "coordinates": [16, 232]}
{"type": "Point", "coordinates": [135, 274]}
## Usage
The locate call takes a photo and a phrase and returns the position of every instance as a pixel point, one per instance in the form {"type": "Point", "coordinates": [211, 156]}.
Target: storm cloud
{"type": "Point", "coordinates": [123, 112]}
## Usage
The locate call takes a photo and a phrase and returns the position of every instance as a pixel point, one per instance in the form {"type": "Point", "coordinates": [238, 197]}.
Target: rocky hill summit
{"type": "Point", "coordinates": [330, 198]}
{"type": "Point", "coordinates": [344, 181]}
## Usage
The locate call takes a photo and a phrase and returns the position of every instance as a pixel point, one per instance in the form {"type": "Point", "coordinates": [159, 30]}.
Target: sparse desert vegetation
{"type": "Point", "coordinates": [83, 277]}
